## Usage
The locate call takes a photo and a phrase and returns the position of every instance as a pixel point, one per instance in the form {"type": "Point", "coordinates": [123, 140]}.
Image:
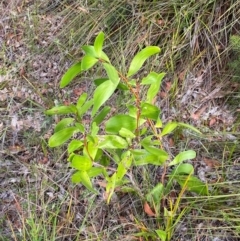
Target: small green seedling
{"type": "Point", "coordinates": [115, 142]}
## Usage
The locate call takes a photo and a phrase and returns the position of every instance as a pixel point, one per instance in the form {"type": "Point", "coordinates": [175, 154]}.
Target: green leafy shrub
{"type": "Point", "coordinates": [115, 142]}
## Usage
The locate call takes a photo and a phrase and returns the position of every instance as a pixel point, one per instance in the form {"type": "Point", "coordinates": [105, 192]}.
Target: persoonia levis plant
{"type": "Point", "coordinates": [113, 143]}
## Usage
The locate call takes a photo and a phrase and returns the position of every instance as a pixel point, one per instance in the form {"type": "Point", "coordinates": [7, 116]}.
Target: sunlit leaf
{"type": "Point", "coordinates": [192, 184]}
{"type": "Point", "coordinates": [81, 100]}
{"type": "Point", "coordinates": [126, 133]}
{"type": "Point", "coordinates": [184, 168]}
{"type": "Point", "coordinates": [85, 107]}
{"type": "Point", "coordinates": [112, 73]}
{"type": "Point", "coordinates": [61, 110]}
{"type": "Point", "coordinates": [63, 123]}
{"type": "Point", "coordinates": [81, 163]}
{"type": "Point", "coordinates": [83, 177]}
{"type": "Point", "coordinates": [140, 58]}
{"type": "Point", "coordinates": [168, 128]}
{"type": "Point", "coordinates": [117, 122]}
{"type": "Point", "coordinates": [74, 145]}
{"type": "Point", "coordinates": [98, 43]}
{"type": "Point", "coordinates": [161, 234]}
{"type": "Point", "coordinates": [88, 62]}
{"type": "Point", "coordinates": [101, 115]}
{"type": "Point", "coordinates": [71, 73]}
{"type": "Point", "coordinates": [183, 156]}
{"type": "Point", "coordinates": [102, 93]}
{"type": "Point", "coordinates": [111, 142]}
{"type": "Point", "coordinates": [62, 136]}
{"type": "Point", "coordinates": [150, 111]}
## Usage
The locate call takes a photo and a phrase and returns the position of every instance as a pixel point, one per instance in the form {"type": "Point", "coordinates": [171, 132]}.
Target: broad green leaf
{"type": "Point", "coordinates": [155, 195]}
{"type": "Point", "coordinates": [61, 110]}
{"type": "Point", "coordinates": [102, 114]}
{"type": "Point", "coordinates": [192, 184]}
{"type": "Point", "coordinates": [184, 168]}
{"type": "Point", "coordinates": [89, 50]}
{"type": "Point", "coordinates": [81, 100]}
{"type": "Point", "coordinates": [189, 127]}
{"type": "Point", "coordinates": [98, 43]}
{"type": "Point", "coordinates": [94, 129]}
{"type": "Point", "coordinates": [117, 122]}
{"type": "Point", "coordinates": [111, 142]}
{"type": "Point", "coordinates": [62, 136]}
{"type": "Point", "coordinates": [95, 171]}
{"type": "Point", "coordinates": [150, 111]}
{"type": "Point", "coordinates": [183, 156]}
{"type": "Point", "coordinates": [126, 133]}
{"type": "Point", "coordinates": [74, 145]}
{"type": "Point", "coordinates": [91, 150]}
{"type": "Point", "coordinates": [155, 80]}
{"type": "Point", "coordinates": [102, 93]}
{"type": "Point", "coordinates": [151, 78]}
{"type": "Point", "coordinates": [143, 157]}
{"type": "Point", "coordinates": [161, 234]}
{"type": "Point", "coordinates": [140, 58]}
{"type": "Point", "coordinates": [88, 62]}
{"type": "Point", "coordinates": [112, 73]}
{"type": "Point", "coordinates": [63, 123]}
{"type": "Point", "coordinates": [71, 73]}
{"type": "Point", "coordinates": [168, 128]}
{"type": "Point", "coordinates": [83, 177]}
{"type": "Point", "coordinates": [80, 127]}
{"type": "Point", "coordinates": [81, 163]}
{"type": "Point", "coordinates": [83, 109]}
{"type": "Point", "coordinates": [124, 165]}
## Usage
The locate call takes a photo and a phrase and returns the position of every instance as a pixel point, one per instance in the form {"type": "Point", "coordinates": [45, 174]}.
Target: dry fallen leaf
{"type": "Point", "coordinates": [211, 163]}
{"type": "Point", "coordinates": [148, 210]}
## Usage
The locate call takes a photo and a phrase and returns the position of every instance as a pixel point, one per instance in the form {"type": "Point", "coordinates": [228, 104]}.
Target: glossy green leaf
{"type": "Point", "coordinates": [83, 177]}
{"type": "Point", "coordinates": [74, 145]}
{"type": "Point", "coordinates": [86, 106]}
{"type": "Point", "coordinates": [71, 73]}
{"type": "Point", "coordinates": [82, 98]}
{"type": "Point", "coordinates": [189, 127]}
{"type": "Point", "coordinates": [124, 165]}
{"type": "Point", "coordinates": [102, 93]}
{"type": "Point", "coordinates": [91, 150]}
{"type": "Point", "coordinates": [143, 157]}
{"type": "Point", "coordinates": [89, 50]}
{"type": "Point", "coordinates": [98, 43]}
{"type": "Point", "coordinates": [192, 184]}
{"type": "Point", "coordinates": [155, 81]}
{"type": "Point", "coordinates": [112, 73]}
{"type": "Point", "coordinates": [95, 171]}
{"type": "Point", "coordinates": [81, 163]}
{"type": "Point", "coordinates": [88, 62]}
{"type": "Point", "coordinates": [111, 142]}
{"type": "Point", "coordinates": [102, 114]}
{"type": "Point", "coordinates": [126, 133]}
{"type": "Point", "coordinates": [161, 234]}
{"type": "Point", "coordinates": [80, 127]}
{"type": "Point", "coordinates": [184, 168]}
{"type": "Point", "coordinates": [94, 129]}
{"type": "Point", "coordinates": [61, 110]}
{"type": "Point", "coordinates": [168, 128]}
{"type": "Point", "coordinates": [63, 123]}
{"type": "Point", "coordinates": [62, 136]}
{"type": "Point", "coordinates": [183, 156]}
{"type": "Point", "coordinates": [140, 58]}
{"type": "Point", "coordinates": [117, 122]}
{"type": "Point", "coordinates": [150, 111]}
{"type": "Point", "coordinates": [155, 195]}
